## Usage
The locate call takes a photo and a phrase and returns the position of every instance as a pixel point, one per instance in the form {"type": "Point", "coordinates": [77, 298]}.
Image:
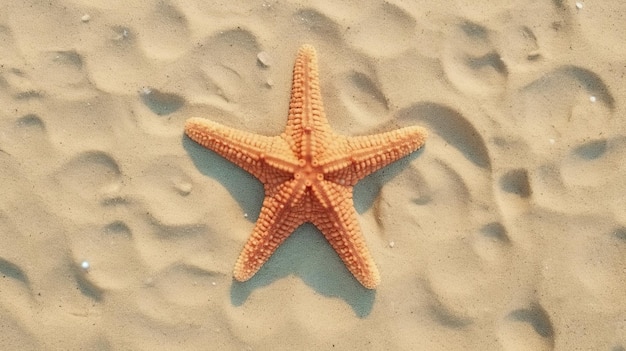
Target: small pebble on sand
{"type": "Point", "coordinates": [264, 58]}
{"type": "Point", "coordinates": [183, 188]}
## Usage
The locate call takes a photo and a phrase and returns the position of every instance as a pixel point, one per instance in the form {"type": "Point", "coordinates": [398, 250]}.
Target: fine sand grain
{"type": "Point", "coordinates": [507, 231]}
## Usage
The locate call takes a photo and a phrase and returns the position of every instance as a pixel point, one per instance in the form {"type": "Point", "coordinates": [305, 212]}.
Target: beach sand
{"type": "Point", "coordinates": [507, 231]}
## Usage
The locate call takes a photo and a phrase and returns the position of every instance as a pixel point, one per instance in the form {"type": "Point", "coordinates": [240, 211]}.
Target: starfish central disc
{"type": "Point", "coordinates": [308, 173]}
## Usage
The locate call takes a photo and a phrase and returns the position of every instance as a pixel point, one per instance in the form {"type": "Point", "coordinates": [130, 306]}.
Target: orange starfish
{"type": "Point", "coordinates": [308, 173]}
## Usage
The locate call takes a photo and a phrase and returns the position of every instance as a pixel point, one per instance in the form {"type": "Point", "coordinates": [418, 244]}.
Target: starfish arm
{"type": "Point", "coordinates": [365, 155]}
{"type": "Point", "coordinates": [276, 222]}
{"type": "Point", "coordinates": [340, 227]}
{"type": "Point", "coordinates": [249, 151]}
{"type": "Point", "coordinates": [307, 126]}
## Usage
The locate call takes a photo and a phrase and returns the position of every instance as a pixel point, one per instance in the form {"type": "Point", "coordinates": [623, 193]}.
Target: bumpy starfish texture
{"type": "Point", "coordinates": [308, 173]}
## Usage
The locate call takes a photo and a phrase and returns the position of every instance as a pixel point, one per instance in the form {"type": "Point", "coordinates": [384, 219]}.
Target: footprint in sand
{"type": "Point", "coordinates": [92, 175]}
{"type": "Point", "coordinates": [595, 163]}
{"type": "Point", "coordinates": [515, 195]}
{"type": "Point", "coordinates": [19, 85]}
{"type": "Point", "coordinates": [168, 193]}
{"type": "Point", "coordinates": [516, 182]}
{"type": "Point", "coordinates": [472, 62]}
{"type": "Point", "coordinates": [129, 51]}
{"type": "Point", "coordinates": [106, 258]}
{"type": "Point", "coordinates": [567, 103]}
{"type": "Point", "coordinates": [453, 128]}
{"type": "Point", "coordinates": [118, 52]}
{"type": "Point", "coordinates": [63, 73]}
{"type": "Point", "coordinates": [31, 124]}
{"type": "Point", "coordinates": [574, 176]}
{"type": "Point", "coordinates": [520, 45]}
{"type": "Point", "coordinates": [319, 24]}
{"type": "Point", "coordinates": [161, 103]}
{"type": "Point", "coordinates": [362, 96]}
{"type": "Point", "coordinates": [11, 271]}
{"type": "Point", "coordinates": [528, 328]}
{"type": "Point", "coordinates": [164, 31]}
{"type": "Point", "coordinates": [493, 243]}
{"type": "Point", "coordinates": [367, 36]}
{"type": "Point", "coordinates": [28, 138]}
{"type": "Point", "coordinates": [228, 66]}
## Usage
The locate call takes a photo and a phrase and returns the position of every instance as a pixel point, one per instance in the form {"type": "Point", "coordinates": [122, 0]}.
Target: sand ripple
{"type": "Point", "coordinates": [506, 231]}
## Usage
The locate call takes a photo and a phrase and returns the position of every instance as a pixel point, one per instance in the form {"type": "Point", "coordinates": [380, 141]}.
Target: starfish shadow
{"type": "Point", "coordinates": [245, 189]}
{"type": "Point", "coordinates": [366, 190]}
{"type": "Point", "coordinates": [307, 255]}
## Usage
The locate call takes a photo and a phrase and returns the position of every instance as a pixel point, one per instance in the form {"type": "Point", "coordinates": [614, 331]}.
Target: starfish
{"type": "Point", "coordinates": [308, 174]}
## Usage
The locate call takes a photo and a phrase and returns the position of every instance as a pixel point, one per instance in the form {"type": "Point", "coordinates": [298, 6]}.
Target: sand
{"type": "Point", "coordinates": [507, 231]}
